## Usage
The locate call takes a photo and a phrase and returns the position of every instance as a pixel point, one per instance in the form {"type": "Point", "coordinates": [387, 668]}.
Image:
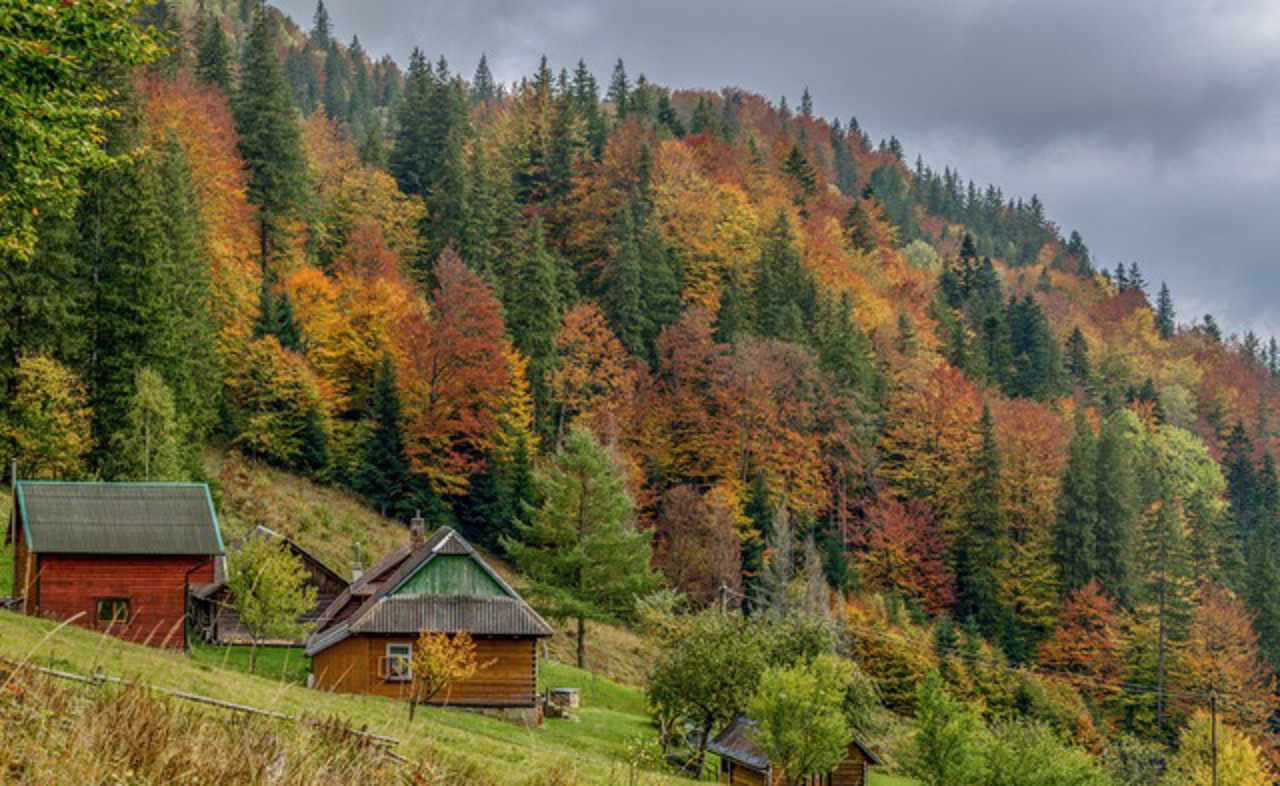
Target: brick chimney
{"type": "Point", "coordinates": [417, 531]}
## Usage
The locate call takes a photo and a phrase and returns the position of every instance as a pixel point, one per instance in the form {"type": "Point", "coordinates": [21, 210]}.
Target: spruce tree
{"type": "Point", "coordinates": [482, 86]}
{"type": "Point", "coordinates": [622, 296]}
{"type": "Point", "coordinates": [981, 543]}
{"type": "Point", "coordinates": [270, 142]}
{"type": "Point", "coordinates": [410, 162]}
{"type": "Point", "coordinates": [844, 351]}
{"type": "Point", "coordinates": [1164, 313]}
{"type": "Point", "coordinates": [857, 227]}
{"type": "Point", "coordinates": [781, 283]}
{"type": "Point", "coordinates": [1077, 361]}
{"type": "Point", "coordinates": [383, 474]}
{"type": "Point", "coordinates": [533, 316]}
{"type": "Point", "coordinates": [619, 93]}
{"type": "Point", "coordinates": [1074, 537]}
{"type": "Point", "coordinates": [1118, 505]}
{"type": "Point", "coordinates": [1243, 488]}
{"type": "Point", "coordinates": [321, 28]}
{"type": "Point", "coordinates": [213, 56]}
{"type": "Point", "coordinates": [583, 555]}
{"type": "Point", "coordinates": [1262, 591]}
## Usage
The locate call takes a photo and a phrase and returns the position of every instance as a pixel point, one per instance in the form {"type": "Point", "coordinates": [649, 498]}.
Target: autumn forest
{"type": "Point", "coordinates": [833, 381]}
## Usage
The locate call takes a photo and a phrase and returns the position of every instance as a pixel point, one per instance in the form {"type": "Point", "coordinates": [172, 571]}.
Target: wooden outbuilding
{"type": "Point", "coordinates": [364, 641]}
{"type": "Point", "coordinates": [214, 613]}
{"type": "Point", "coordinates": [120, 555]}
{"type": "Point", "coordinates": [744, 763]}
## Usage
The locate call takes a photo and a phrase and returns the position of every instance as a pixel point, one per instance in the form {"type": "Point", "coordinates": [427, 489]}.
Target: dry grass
{"type": "Point", "coordinates": [603, 745]}
{"type": "Point", "coordinates": [326, 521]}
{"type": "Point", "coordinates": [60, 733]}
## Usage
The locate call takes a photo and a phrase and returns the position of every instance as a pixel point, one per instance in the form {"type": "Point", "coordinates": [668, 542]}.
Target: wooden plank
{"type": "Point", "coordinates": [154, 585]}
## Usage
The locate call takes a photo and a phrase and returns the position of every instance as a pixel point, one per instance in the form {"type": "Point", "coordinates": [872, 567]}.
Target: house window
{"type": "Point", "coordinates": [113, 611]}
{"type": "Point", "coordinates": [399, 662]}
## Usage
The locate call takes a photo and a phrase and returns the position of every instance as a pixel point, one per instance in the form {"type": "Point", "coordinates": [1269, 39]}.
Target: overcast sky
{"type": "Point", "coordinates": [1152, 126]}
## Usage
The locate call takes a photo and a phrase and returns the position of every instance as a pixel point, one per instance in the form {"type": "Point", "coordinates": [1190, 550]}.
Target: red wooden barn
{"type": "Point", "coordinates": [121, 555]}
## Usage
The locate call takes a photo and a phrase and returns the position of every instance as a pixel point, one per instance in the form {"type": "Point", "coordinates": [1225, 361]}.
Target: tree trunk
{"type": "Point", "coordinates": [582, 642]}
{"type": "Point", "coordinates": [253, 656]}
{"type": "Point", "coordinates": [705, 738]}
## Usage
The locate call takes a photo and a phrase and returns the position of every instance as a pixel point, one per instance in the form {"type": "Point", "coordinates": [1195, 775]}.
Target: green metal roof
{"type": "Point", "coordinates": [118, 518]}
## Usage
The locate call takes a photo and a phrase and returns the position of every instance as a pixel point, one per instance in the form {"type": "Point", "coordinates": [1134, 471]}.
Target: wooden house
{"type": "Point", "coordinates": [120, 555]}
{"type": "Point", "coordinates": [364, 641]}
{"type": "Point", "coordinates": [742, 762]}
{"type": "Point", "coordinates": [215, 616]}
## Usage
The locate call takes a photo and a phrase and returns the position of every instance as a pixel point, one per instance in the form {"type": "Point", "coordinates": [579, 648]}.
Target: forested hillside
{"type": "Point", "coordinates": [815, 360]}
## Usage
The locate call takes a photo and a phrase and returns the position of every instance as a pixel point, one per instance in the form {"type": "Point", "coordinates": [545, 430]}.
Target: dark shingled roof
{"type": "Point", "coordinates": [737, 742]}
{"type": "Point", "coordinates": [381, 612]}
{"type": "Point", "coordinates": [118, 518]}
{"type": "Point", "coordinates": [452, 614]}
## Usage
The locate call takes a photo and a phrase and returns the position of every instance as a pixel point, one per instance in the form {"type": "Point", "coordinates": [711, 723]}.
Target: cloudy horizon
{"type": "Point", "coordinates": [1151, 126]}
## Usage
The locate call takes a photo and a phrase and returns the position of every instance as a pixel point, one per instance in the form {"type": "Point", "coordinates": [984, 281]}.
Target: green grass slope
{"type": "Point", "coordinates": [599, 746]}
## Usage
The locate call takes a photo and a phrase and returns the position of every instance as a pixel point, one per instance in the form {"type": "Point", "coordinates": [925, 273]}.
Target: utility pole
{"type": "Point", "coordinates": [1213, 725]}
{"type": "Point", "coordinates": [724, 598]}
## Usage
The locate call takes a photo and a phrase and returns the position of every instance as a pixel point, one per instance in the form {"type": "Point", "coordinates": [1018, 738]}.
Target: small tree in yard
{"type": "Point", "coordinates": [269, 591]}
{"type": "Point", "coordinates": [439, 659]}
{"type": "Point", "coordinates": [580, 550]}
{"type": "Point", "coordinates": [708, 665]}
{"type": "Point", "coordinates": [800, 720]}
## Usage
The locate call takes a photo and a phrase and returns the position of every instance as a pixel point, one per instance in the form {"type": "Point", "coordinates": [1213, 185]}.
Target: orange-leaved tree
{"type": "Point", "coordinates": [458, 379]}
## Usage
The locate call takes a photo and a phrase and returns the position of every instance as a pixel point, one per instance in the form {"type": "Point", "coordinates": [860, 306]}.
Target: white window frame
{"type": "Point", "coordinates": [399, 659]}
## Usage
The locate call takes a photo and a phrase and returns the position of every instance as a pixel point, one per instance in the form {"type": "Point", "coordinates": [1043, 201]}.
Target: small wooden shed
{"type": "Point", "coordinates": [120, 555]}
{"type": "Point", "coordinates": [744, 763]}
{"type": "Point", "coordinates": [363, 643]}
{"type": "Point", "coordinates": [217, 620]}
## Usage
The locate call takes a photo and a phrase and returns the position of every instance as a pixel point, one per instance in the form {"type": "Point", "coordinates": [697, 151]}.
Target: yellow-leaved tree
{"type": "Point", "coordinates": [438, 660]}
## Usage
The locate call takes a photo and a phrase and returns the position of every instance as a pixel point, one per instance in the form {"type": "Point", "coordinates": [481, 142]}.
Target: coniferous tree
{"type": "Point", "coordinates": [1243, 488]}
{"type": "Point", "coordinates": [783, 287]}
{"type": "Point", "coordinates": [1074, 543]}
{"type": "Point", "coordinates": [806, 104]}
{"type": "Point", "coordinates": [801, 171]}
{"type": "Point", "coordinates": [148, 304]}
{"type": "Point", "coordinates": [586, 101]}
{"type": "Point", "coordinates": [336, 76]}
{"type": "Point", "coordinates": [1135, 280]}
{"type": "Point", "coordinates": [383, 475]}
{"type": "Point", "coordinates": [1118, 505]}
{"type": "Point", "coordinates": [1077, 361]}
{"type": "Point", "coordinates": [1165, 586]}
{"type": "Point", "coordinates": [1164, 313]}
{"type": "Point", "coordinates": [844, 351]}
{"type": "Point", "coordinates": [580, 550]}
{"type": "Point", "coordinates": [213, 58]}
{"type": "Point", "coordinates": [619, 93]}
{"type": "Point", "coordinates": [1211, 329]}
{"type": "Point", "coordinates": [275, 318]}
{"type": "Point", "coordinates": [1262, 591]}
{"type": "Point", "coordinates": [321, 28]}
{"type": "Point", "coordinates": [409, 161]}
{"type": "Point", "coordinates": [981, 543]}
{"type": "Point", "coordinates": [533, 316]}
{"type": "Point", "coordinates": [270, 142]}
{"type": "Point", "coordinates": [1077, 248]}
{"type": "Point", "coordinates": [482, 85]}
